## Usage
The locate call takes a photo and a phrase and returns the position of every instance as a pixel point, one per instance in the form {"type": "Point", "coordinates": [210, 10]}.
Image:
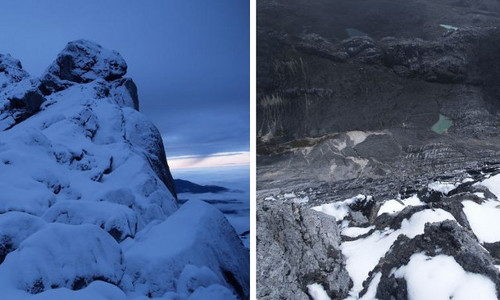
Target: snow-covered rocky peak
{"type": "Point", "coordinates": [19, 95]}
{"type": "Point", "coordinates": [11, 70]}
{"type": "Point", "coordinates": [82, 173]}
{"type": "Point", "coordinates": [82, 61]}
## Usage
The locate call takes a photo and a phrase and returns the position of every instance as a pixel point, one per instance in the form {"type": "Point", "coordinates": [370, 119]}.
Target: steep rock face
{"type": "Point", "coordinates": [342, 67]}
{"type": "Point", "coordinates": [84, 174]}
{"type": "Point", "coordinates": [298, 247]}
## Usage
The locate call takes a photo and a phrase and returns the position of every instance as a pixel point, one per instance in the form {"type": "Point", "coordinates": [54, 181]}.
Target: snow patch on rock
{"type": "Point", "coordinates": [394, 206]}
{"type": "Point", "coordinates": [484, 219]}
{"type": "Point", "coordinates": [317, 292]}
{"type": "Point", "coordinates": [340, 209]}
{"type": "Point", "coordinates": [442, 278]}
{"type": "Point", "coordinates": [493, 184]}
{"type": "Point", "coordinates": [363, 255]}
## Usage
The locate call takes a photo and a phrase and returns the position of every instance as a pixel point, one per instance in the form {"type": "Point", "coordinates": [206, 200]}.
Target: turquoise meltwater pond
{"type": "Point", "coordinates": [442, 124]}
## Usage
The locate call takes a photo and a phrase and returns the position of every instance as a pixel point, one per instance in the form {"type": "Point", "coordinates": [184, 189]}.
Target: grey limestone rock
{"type": "Point", "coordinates": [298, 247]}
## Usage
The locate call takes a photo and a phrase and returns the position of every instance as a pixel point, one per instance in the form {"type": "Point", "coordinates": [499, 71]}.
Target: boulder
{"type": "Point", "coordinates": [15, 227]}
{"type": "Point", "coordinates": [61, 255]}
{"type": "Point", "coordinates": [191, 236]}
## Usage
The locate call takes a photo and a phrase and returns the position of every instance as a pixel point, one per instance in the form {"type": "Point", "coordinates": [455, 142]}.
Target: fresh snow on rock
{"type": "Point", "coordinates": [442, 278]}
{"type": "Point", "coordinates": [356, 231]}
{"type": "Point", "coordinates": [61, 255]}
{"type": "Point", "coordinates": [158, 255]}
{"type": "Point", "coordinates": [443, 187]}
{"type": "Point", "coordinates": [363, 255]}
{"type": "Point", "coordinates": [484, 219]}
{"type": "Point", "coordinates": [15, 227]}
{"type": "Point", "coordinates": [394, 206]}
{"type": "Point", "coordinates": [493, 184]}
{"type": "Point", "coordinates": [118, 220]}
{"type": "Point", "coordinates": [441, 248]}
{"type": "Point", "coordinates": [340, 209]}
{"type": "Point", "coordinates": [88, 208]}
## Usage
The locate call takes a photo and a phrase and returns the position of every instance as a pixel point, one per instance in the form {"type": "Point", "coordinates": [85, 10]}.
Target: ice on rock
{"type": "Point", "coordinates": [190, 236]}
{"type": "Point", "coordinates": [125, 93]}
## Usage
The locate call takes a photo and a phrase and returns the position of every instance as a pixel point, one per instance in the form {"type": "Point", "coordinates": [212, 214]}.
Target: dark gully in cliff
{"type": "Point", "coordinates": [378, 149]}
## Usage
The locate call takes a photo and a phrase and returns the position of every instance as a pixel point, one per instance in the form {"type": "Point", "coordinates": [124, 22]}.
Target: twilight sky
{"type": "Point", "coordinates": [189, 58]}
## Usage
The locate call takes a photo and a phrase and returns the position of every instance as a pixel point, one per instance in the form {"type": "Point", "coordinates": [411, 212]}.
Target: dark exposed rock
{"type": "Point", "coordinates": [448, 69]}
{"type": "Point", "coordinates": [494, 250]}
{"type": "Point", "coordinates": [26, 106]}
{"type": "Point", "coordinates": [317, 45]}
{"type": "Point", "coordinates": [355, 45]}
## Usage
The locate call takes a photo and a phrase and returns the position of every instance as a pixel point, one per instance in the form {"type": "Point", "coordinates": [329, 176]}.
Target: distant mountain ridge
{"type": "Point", "coordinates": [185, 186]}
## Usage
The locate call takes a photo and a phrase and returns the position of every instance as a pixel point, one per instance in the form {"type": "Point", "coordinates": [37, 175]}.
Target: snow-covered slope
{"type": "Point", "coordinates": [439, 241]}
{"type": "Point", "coordinates": [88, 208]}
